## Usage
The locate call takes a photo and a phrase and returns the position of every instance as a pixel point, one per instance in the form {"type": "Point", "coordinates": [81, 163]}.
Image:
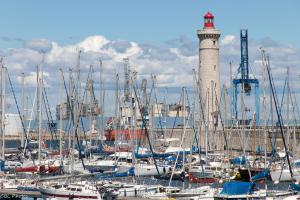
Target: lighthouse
{"type": "Point", "coordinates": [209, 73]}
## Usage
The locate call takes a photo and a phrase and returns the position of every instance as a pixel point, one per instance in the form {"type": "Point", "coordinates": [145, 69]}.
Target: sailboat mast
{"type": "Point", "coordinates": [60, 120]}
{"type": "Point", "coordinates": [225, 104]}
{"type": "Point", "coordinates": [23, 107]}
{"type": "Point", "coordinates": [76, 110]}
{"type": "Point", "coordinates": [39, 110]}
{"type": "Point", "coordinates": [207, 126]}
{"type": "Point", "coordinates": [201, 114]}
{"type": "Point", "coordinates": [184, 123]}
{"type": "Point", "coordinates": [212, 123]}
{"type": "Point", "coordinates": [3, 78]}
{"type": "Point", "coordinates": [288, 108]}
{"type": "Point", "coordinates": [184, 131]}
{"type": "Point", "coordinates": [133, 99]}
{"type": "Point", "coordinates": [271, 109]}
{"type": "Point", "coordinates": [193, 125]}
{"type": "Point", "coordinates": [166, 112]}
{"type": "Point", "coordinates": [71, 105]}
{"type": "Point", "coordinates": [265, 109]}
{"type": "Point", "coordinates": [101, 101]}
{"type": "Point", "coordinates": [116, 122]}
{"type": "Point", "coordinates": [90, 88]}
{"type": "Point", "coordinates": [264, 103]}
{"type": "Point", "coordinates": [231, 95]}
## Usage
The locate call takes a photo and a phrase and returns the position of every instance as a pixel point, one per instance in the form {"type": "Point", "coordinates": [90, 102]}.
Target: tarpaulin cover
{"type": "Point", "coordinates": [261, 175]}
{"type": "Point", "coordinates": [130, 172]}
{"type": "Point", "coordinates": [2, 165]}
{"type": "Point", "coordinates": [237, 188]}
{"type": "Point", "coordinates": [294, 187]}
{"type": "Point", "coordinates": [238, 160]}
{"type": "Point", "coordinates": [297, 163]}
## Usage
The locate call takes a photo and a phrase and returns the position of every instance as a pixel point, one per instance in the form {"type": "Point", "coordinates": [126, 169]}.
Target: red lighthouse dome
{"type": "Point", "coordinates": [208, 20]}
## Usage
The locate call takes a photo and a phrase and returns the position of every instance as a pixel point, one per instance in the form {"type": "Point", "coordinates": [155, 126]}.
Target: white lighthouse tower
{"type": "Point", "coordinates": [209, 73]}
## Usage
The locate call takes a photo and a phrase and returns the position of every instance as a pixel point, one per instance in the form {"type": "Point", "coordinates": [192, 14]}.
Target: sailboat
{"type": "Point", "coordinates": [199, 174]}
{"type": "Point", "coordinates": [79, 190]}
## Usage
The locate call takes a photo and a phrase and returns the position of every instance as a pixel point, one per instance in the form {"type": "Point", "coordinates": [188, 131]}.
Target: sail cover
{"type": "Point", "coordinates": [237, 188]}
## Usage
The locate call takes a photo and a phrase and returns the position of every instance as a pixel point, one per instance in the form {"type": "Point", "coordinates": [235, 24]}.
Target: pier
{"type": "Point", "coordinates": [251, 136]}
{"type": "Point", "coordinates": [18, 194]}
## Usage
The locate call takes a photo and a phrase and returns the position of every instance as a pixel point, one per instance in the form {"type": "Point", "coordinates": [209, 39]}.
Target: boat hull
{"type": "Point", "coordinates": [148, 170]}
{"type": "Point", "coordinates": [284, 175]}
{"type": "Point", "coordinates": [202, 177]}
{"type": "Point", "coordinates": [137, 191]}
{"type": "Point", "coordinates": [52, 193]}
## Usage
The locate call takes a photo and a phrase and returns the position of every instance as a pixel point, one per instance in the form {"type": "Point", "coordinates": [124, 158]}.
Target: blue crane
{"type": "Point", "coordinates": [244, 79]}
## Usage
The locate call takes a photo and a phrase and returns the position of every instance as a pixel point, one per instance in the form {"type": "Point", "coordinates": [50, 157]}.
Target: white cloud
{"type": "Point", "coordinates": [93, 43]}
{"type": "Point", "coordinates": [31, 79]}
{"type": "Point", "coordinates": [41, 45]}
{"type": "Point", "coordinates": [172, 63]}
{"type": "Point", "coordinates": [229, 39]}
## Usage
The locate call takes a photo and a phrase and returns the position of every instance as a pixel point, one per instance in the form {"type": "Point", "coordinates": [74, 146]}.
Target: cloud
{"type": "Point", "coordinates": [186, 46]}
{"type": "Point", "coordinates": [229, 40]}
{"type": "Point", "coordinates": [92, 43]}
{"type": "Point", "coordinates": [41, 45]}
{"type": "Point", "coordinates": [172, 62]}
{"type": "Point", "coordinates": [31, 79]}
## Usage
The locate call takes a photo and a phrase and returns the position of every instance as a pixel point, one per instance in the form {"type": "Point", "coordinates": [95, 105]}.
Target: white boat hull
{"type": "Point", "coordinates": [106, 165]}
{"type": "Point", "coordinates": [284, 175]}
{"type": "Point", "coordinates": [63, 194]}
{"type": "Point", "coordinates": [138, 191]}
{"type": "Point", "coordinates": [148, 170]}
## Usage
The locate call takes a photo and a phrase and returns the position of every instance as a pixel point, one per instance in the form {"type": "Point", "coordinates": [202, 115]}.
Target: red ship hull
{"type": "Point", "coordinates": [42, 169]}
{"type": "Point", "coordinates": [111, 135]}
{"type": "Point", "coordinates": [201, 179]}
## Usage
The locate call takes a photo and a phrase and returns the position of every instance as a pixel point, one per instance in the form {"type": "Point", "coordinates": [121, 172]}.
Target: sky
{"type": "Point", "coordinates": [151, 22]}
{"type": "Point", "coordinates": [159, 37]}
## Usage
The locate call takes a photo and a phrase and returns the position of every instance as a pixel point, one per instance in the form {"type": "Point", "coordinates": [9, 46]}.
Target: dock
{"type": "Point", "coordinates": [18, 194]}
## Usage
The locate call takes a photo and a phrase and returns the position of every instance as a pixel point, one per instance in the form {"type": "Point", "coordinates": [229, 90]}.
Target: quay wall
{"type": "Point", "coordinates": [232, 139]}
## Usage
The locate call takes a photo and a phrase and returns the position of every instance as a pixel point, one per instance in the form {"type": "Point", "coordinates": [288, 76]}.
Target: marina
{"type": "Point", "coordinates": [113, 131]}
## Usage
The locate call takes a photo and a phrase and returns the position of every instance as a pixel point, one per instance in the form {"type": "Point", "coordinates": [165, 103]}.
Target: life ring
{"type": "Point", "coordinates": [102, 190]}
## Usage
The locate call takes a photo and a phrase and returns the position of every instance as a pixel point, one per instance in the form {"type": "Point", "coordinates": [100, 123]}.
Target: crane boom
{"type": "Point", "coordinates": [244, 54]}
